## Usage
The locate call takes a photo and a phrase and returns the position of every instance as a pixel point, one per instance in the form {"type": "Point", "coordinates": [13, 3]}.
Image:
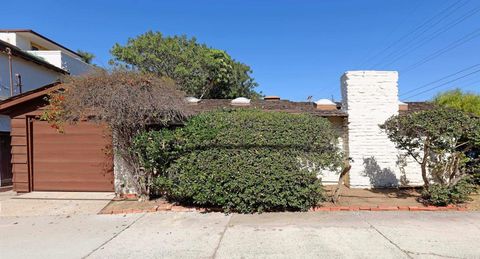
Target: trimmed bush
{"type": "Point", "coordinates": [441, 195]}
{"type": "Point", "coordinates": [242, 160]}
{"type": "Point", "coordinates": [244, 181]}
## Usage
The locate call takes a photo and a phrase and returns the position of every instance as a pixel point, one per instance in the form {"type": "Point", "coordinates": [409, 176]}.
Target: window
{"type": "Point", "coordinates": [36, 47]}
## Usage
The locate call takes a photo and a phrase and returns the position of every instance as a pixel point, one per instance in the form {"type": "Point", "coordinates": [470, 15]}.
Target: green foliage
{"type": "Point", "coordinates": [199, 70]}
{"type": "Point", "coordinates": [87, 57]}
{"type": "Point", "coordinates": [242, 160]}
{"type": "Point", "coordinates": [469, 103]}
{"type": "Point", "coordinates": [244, 180]}
{"type": "Point", "coordinates": [440, 140]}
{"type": "Point", "coordinates": [463, 101]}
{"type": "Point", "coordinates": [441, 195]}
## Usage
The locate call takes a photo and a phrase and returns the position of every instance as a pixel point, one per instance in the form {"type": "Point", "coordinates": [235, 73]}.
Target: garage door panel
{"type": "Point", "coordinates": [54, 176]}
{"type": "Point", "coordinates": [60, 139]}
{"type": "Point", "coordinates": [70, 157]}
{"type": "Point", "coordinates": [72, 161]}
{"type": "Point", "coordinates": [91, 146]}
{"type": "Point", "coordinates": [82, 169]}
{"type": "Point", "coordinates": [73, 186]}
{"type": "Point", "coordinates": [68, 129]}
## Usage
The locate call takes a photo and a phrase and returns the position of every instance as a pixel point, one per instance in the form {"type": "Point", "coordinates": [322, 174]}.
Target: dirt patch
{"type": "Point", "coordinates": [375, 197]}
{"type": "Point", "coordinates": [391, 197]}
{"type": "Point", "coordinates": [474, 204]}
{"type": "Point", "coordinates": [135, 206]}
{"type": "Point", "coordinates": [119, 206]}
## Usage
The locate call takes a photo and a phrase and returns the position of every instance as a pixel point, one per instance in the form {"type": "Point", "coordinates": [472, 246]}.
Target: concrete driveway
{"type": "Point", "coordinates": [53, 203]}
{"type": "Point", "coordinates": [270, 235]}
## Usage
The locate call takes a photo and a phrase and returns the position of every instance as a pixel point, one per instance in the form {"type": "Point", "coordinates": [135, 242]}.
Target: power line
{"type": "Point", "coordinates": [446, 83]}
{"type": "Point", "coordinates": [415, 36]}
{"type": "Point", "coordinates": [434, 35]}
{"type": "Point", "coordinates": [464, 85]}
{"type": "Point", "coordinates": [448, 48]}
{"type": "Point", "coordinates": [414, 9]}
{"type": "Point", "coordinates": [441, 79]}
{"type": "Point", "coordinates": [410, 33]}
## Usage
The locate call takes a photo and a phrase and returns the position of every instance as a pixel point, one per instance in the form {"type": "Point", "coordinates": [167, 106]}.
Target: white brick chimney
{"type": "Point", "coordinates": [370, 98]}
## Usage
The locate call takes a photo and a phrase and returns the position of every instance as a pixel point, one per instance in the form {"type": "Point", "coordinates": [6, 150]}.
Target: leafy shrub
{"type": "Point", "coordinates": [441, 195]}
{"type": "Point", "coordinates": [242, 160]}
{"type": "Point", "coordinates": [244, 181]}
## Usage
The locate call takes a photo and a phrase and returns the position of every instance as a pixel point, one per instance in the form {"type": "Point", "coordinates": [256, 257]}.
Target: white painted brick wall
{"type": "Point", "coordinates": [370, 98]}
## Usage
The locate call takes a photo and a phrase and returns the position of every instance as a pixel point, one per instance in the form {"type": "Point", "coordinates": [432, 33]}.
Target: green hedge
{"type": "Point", "coordinates": [242, 160]}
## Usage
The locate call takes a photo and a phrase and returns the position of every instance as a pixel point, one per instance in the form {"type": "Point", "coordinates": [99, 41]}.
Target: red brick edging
{"type": "Point", "coordinates": [390, 208]}
{"type": "Point", "coordinates": [175, 208]}
{"type": "Point", "coordinates": [163, 207]}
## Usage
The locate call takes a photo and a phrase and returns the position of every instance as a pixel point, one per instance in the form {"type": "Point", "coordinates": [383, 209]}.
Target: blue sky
{"type": "Point", "coordinates": [295, 48]}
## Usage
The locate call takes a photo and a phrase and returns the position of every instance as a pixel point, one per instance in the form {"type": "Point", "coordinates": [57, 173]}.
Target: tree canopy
{"type": "Point", "coordinates": [199, 70]}
{"type": "Point", "coordinates": [438, 140]}
{"type": "Point", "coordinates": [87, 57]}
{"type": "Point", "coordinates": [457, 99]}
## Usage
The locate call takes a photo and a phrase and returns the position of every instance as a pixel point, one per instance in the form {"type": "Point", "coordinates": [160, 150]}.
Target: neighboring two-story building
{"type": "Point", "coordinates": [29, 60]}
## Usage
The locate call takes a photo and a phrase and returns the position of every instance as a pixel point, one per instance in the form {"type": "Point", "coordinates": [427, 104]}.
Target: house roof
{"type": "Point", "coordinates": [9, 105]}
{"type": "Point", "coordinates": [417, 106]}
{"type": "Point", "coordinates": [34, 33]}
{"type": "Point", "coordinates": [269, 105]}
{"type": "Point", "coordinates": [29, 57]}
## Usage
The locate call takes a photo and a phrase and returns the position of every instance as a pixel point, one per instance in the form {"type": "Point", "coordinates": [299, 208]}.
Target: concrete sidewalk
{"type": "Point", "coordinates": [53, 203]}
{"type": "Point", "coordinates": [269, 235]}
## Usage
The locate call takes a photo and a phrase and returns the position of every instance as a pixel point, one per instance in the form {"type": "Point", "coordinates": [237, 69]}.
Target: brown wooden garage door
{"type": "Point", "coordinates": [72, 161]}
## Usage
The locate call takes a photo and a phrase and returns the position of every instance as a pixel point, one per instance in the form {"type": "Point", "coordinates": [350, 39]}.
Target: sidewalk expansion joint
{"type": "Point", "coordinates": [221, 237]}
{"type": "Point", "coordinates": [114, 236]}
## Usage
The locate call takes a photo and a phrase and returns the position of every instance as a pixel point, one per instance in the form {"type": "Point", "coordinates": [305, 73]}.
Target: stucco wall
{"type": "Point", "coordinates": [53, 57]}
{"type": "Point", "coordinates": [8, 37]}
{"type": "Point", "coordinates": [75, 66]}
{"type": "Point", "coordinates": [15, 40]}
{"type": "Point", "coordinates": [64, 61]}
{"type": "Point", "coordinates": [33, 75]}
{"type": "Point", "coordinates": [370, 98]}
{"type": "Point", "coordinates": [328, 176]}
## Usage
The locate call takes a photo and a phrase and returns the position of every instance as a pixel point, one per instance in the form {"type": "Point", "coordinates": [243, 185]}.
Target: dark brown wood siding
{"type": "Point", "coordinates": [19, 153]}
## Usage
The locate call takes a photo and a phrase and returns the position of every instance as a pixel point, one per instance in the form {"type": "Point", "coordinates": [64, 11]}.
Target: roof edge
{"type": "Point", "coordinates": [29, 57]}
{"type": "Point", "coordinates": [41, 36]}
{"type": "Point", "coordinates": [27, 96]}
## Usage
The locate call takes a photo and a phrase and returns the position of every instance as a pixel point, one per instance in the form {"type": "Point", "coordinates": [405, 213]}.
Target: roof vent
{"type": "Point", "coordinates": [240, 101]}
{"type": "Point", "coordinates": [271, 97]}
{"type": "Point", "coordinates": [402, 106]}
{"type": "Point", "coordinates": [325, 104]}
{"type": "Point", "coordinates": [192, 99]}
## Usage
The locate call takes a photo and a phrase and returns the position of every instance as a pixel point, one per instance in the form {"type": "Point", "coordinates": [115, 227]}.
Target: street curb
{"type": "Point", "coordinates": [176, 208]}
{"type": "Point", "coordinates": [390, 208]}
